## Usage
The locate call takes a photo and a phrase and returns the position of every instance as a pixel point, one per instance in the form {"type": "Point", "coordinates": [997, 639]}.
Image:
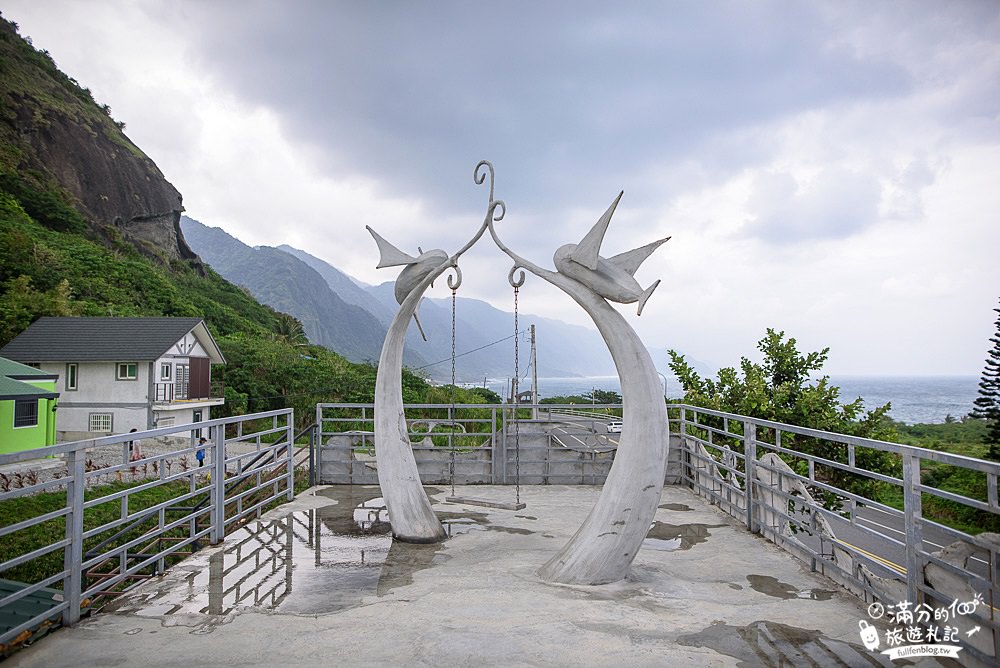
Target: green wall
{"type": "Point", "coordinates": [27, 438]}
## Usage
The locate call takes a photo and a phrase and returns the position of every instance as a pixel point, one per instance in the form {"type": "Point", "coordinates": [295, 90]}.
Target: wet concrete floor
{"type": "Point", "coordinates": [321, 581]}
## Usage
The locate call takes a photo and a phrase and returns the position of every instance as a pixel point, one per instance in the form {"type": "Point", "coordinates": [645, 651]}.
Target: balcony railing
{"type": "Point", "coordinates": [171, 392]}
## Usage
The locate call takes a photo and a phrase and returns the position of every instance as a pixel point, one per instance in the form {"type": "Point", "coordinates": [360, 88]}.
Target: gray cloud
{"type": "Point", "coordinates": [575, 98]}
{"type": "Point", "coordinates": [844, 135]}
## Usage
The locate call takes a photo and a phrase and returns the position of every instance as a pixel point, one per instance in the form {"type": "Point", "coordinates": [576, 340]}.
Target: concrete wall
{"type": "Point", "coordinates": [99, 391]}
{"type": "Point", "coordinates": [349, 458]}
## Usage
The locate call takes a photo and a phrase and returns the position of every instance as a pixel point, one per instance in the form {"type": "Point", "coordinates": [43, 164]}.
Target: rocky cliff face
{"type": "Point", "coordinates": [54, 135]}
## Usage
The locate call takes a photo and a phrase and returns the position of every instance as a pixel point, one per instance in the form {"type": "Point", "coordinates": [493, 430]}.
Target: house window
{"type": "Point", "coordinates": [25, 413]}
{"type": "Point", "coordinates": [165, 370]}
{"type": "Point", "coordinates": [71, 376]}
{"type": "Point", "coordinates": [100, 422]}
{"type": "Point", "coordinates": [128, 371]}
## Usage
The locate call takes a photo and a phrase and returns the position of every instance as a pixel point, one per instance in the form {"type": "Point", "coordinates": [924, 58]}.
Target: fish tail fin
{"type": "Point", "coordinates": [645, 295]}
{"type": "Point", "coordinates": [419, 327]}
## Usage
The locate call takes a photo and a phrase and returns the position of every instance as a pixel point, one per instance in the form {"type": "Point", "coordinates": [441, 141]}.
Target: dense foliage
{"type": "Point", "coordinates": [47, 271]}
{"type": "Point", "coordinates": [781, 388]}
{"type": "Point", "coordinates": [988, 401]}
{"type": "Point", "coordinates": [959, 437]}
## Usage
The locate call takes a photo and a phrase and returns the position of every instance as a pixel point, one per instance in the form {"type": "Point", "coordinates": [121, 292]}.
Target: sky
{"type": "Point", "coordinates": [826, 169]}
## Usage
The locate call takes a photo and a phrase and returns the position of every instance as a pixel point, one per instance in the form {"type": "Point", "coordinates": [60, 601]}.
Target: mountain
{"type": "Point", "coordinates": [351, 317]}
{"type": "Point", "coordinates": [345, 315]}
{"type": "Point", "coordinates": [88, 223]}
{"type": "Point", "coordinates": [286, 283]}
{"type": "Point", "coordinates": [563, 350]}
{"type": "Point", "coordinates": [90, 227]}
{"type": "Point", "coordinates": [68, 151]}
{"type": "Point", "coordinates": [346, 287]}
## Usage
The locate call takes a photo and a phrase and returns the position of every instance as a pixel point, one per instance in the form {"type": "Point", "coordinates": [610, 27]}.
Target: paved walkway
{"type": "Point", "coordinates": [319, 582]}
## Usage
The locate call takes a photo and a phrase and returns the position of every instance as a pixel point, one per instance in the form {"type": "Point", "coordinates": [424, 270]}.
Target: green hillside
{"type": "Point", "coordinates": [90, 227]}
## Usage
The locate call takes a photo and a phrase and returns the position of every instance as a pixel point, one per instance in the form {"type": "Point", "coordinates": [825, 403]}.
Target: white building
{"type": "Point", "coordinates": [119, 374]}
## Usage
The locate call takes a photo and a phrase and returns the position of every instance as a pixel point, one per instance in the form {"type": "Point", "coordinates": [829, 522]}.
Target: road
{"type": "Point", "coordinates": [891, 524]}
{"type": "Point", "coordinates": [578, 432]}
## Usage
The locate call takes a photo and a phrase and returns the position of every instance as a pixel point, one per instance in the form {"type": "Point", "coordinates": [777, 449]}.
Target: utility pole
{"type": "Point", "coordinates": [534, 375]}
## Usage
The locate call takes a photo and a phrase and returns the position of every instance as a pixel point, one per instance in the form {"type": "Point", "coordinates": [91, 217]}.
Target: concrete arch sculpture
{"type": "Point", "coordinates": [607, 542]}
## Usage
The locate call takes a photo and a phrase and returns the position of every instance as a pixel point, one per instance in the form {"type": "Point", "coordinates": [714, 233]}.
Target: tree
{"type": "Point", "coordinates": [21, 304]}
{"type": "Point", "coordinates": [988, 402]}
{"type": "Point", "coordinates": [781, 389]}
{"type": "Point", "coordinates": [290, 330]}
{"type": "Point", "coordinates": [602, 397]}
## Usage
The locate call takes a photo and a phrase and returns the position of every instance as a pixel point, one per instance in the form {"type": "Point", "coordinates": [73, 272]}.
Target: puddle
{"type": "Point", "coordinates": [764, 643]}
{"type": "Point", "coordinates": [310, 562]}
{"type": "Point", "coordinates": [771, 586]}
{"type": "Point", "coordinates": [670, 537]}
{"type": "Point", "coordinates": [674, 506]}
{"type": "Point", "coordinates": [512, 530]}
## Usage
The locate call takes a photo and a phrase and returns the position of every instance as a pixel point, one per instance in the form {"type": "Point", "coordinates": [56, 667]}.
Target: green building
{"type": "Point", "coordinates": [27, 407]}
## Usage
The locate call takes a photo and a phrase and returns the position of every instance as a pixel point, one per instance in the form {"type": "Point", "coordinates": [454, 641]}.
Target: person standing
{"type": "Point", "coordinates": [200, 454]}
{"type": "Point", "coordinates": [134, 449]}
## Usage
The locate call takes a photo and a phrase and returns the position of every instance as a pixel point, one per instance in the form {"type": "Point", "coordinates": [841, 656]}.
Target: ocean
{"type": "Point", "coordinates": [915, 399]}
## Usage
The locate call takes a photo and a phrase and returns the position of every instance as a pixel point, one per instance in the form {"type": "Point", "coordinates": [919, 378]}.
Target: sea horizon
{"type": "Point", "coordinates": [915, 399]}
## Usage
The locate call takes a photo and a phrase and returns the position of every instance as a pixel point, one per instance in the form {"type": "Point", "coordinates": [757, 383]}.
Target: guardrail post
{"type": "Point", "coordinates": [73, 553]}
{"type": "Point", "coordinates": [749, 470]}
{"type": "Point", "coordinates": [218, 486]}
{"type": "Point", "coordinates": [685, 458]}
{"type": "Point", "coordinates": [290, 439]}
{"type": "Point", "coordinates": [318, 438]}
{"type": "Point", "coordinates": [494, 478]}
{"type": "Point", "coordinates": [312, 455]}
{"type": "Point", "coordinates": [912, 512]}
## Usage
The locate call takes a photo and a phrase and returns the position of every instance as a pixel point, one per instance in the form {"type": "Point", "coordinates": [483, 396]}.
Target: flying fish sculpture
{"type": "Point", "coordinates": [415, 268]}
{"type": "Point", "coordinates": [613, 278]}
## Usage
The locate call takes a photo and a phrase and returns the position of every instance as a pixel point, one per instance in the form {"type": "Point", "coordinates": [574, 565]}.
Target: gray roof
{"type": "Point", "coordinates": [105, 339]}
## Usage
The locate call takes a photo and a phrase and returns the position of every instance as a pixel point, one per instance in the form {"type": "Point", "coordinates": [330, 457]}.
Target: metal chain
{"type": "Point", "coordinates": [517, 400]}
{"type": "Point", "coordinates": [451, 410]}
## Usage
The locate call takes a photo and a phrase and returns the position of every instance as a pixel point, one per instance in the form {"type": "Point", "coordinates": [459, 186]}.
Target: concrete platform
{"type": "Point", "coordinates": [319, 582]}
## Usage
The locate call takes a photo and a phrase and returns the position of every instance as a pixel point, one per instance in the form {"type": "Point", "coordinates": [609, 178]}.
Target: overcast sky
{"type": "Point", "coordinates": [827, 169]}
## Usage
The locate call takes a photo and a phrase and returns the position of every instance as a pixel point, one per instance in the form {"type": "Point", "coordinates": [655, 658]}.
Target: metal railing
{"type": "Point", "coordinates": [853, 509]}
{"type": "Point", "coordinates": [120, 521]}
{"type": "Point", "coordinates": [181, 391]}
{"type": "Point", "coordinates": [473, 443]}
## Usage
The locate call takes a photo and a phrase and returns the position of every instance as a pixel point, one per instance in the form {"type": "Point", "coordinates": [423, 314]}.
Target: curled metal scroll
{"type": "Point", "coordinates": [510, 277]}
{"type": "Point", "coordinates": [457, 276]}
{"type": "Point", "coordinates": [480, 177]}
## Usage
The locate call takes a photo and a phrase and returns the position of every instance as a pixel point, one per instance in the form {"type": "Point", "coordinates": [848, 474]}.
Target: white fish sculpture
{"type": "Point", "coordinates": [416, 268]}
{"type": "Point", "coordinates": [613, 278]}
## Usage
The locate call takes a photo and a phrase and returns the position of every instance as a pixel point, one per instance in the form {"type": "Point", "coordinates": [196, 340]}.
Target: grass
{"type": "Point", "coordinates": [965, 438]}
{"type": "Point", "coordinates": [35, 537]}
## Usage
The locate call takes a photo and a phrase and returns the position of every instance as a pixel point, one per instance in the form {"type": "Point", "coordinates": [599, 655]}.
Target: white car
{"type": "Point", "coordinates": [615, 427]}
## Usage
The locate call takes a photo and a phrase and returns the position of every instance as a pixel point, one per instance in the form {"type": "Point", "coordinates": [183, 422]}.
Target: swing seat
{"type": "Point", "coordinates": [472, 501]}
